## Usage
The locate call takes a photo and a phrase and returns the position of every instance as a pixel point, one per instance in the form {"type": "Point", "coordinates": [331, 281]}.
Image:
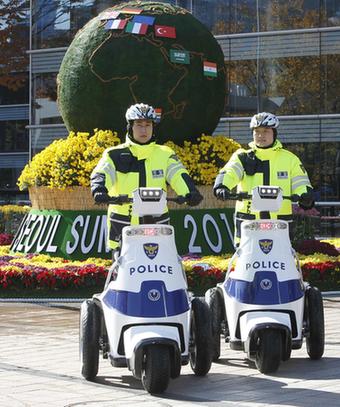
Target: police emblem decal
{"type": "Point", "coordinates": [282, 174]}
{"type": "Point", "coordinates": [150, 249]}
{"type": "Point", "coordinates": [266, 245]}
{"type": "Point", "coordinates": [266, 284]}
{"type": "Point", "coordinates": [154, 295]}
{"type": "Point", "coordinates": [157, 173]}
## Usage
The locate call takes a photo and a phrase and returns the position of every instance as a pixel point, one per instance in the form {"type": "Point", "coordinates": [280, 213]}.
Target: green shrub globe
{"type": "Point", "coordinates": [104, 71]}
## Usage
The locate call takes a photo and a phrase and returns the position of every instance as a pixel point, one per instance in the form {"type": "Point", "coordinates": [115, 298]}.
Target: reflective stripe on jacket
{"type": "Point", "coordinates": [126, 167]}
{"type": "Point", "coordinates": [264, 166]}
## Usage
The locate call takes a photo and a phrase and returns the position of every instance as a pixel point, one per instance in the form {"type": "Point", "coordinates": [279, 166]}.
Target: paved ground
{"type": "Point", "coordinates": [39, 366]}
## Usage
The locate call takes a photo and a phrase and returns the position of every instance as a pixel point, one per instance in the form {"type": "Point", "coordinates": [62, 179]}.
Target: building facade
{"type": "Point", "coordinates": [280, 56]}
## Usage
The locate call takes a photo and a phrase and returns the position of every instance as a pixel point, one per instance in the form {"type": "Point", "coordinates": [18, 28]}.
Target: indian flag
{"type": "Point", "coordinates": [158, 112]}
{"type": "Point", "coordinates": [136, 28]}
{"type": "Point", "coordinates": [209, 69]}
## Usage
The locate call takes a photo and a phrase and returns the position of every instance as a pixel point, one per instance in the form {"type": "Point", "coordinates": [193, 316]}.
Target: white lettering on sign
{"type": "Point", "coordinates": [50, 247]}
{"type": "Point", "coordinates": [35, 232]}
{"type": "Point", "coordinates": [188, 219]}
{"type": "Point", "coordinates": [86, 249]}
{"type": "Point", "coordinates": [102, 235]}
{"type": "Point", "coordinates": [37, 229]}
{"type": "Point", "coordinates": [84, 237]}
{"type": "Point", "coordinates": [71, 248]}
{"type": "Point", "coordinates": [44, 235]}
{"type": "Point", "coordinates": [216, 248]}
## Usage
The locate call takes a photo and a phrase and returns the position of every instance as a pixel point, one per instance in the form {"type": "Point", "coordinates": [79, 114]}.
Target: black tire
{"type": "Point", "coordinates": [269, 352]}
{"type": "Point", "coordinates": [217, 315]}
{"type": "Point", "coordinates": [156, 369]}
{"type": "Point", "coordinates": [89, 339]}
{"type": "Point", "coordinates": [315, 324]}
{"type": "Point", "coordinates": [200, 342]}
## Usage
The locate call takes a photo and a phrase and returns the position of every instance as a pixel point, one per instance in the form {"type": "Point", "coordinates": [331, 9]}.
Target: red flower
{"type": "Point", "coordinates": [5, 239]}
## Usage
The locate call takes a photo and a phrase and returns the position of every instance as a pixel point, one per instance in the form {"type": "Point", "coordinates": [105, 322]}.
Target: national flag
{"type": "Point", "coordinates": [165, 31]}
{"type": "Point", "coordinates": [129, 10]}
{"type": "Point", "coordinates": [144, 20]}
{"type": "Point", "coordinates": [116, 24]}
{"type": "Point", "coordinates": [158, 112]}
{"type": "Point", "coordinates": [109, 15]}
{"type": "Point", "coordinates": [136, 28]}
{"type": "Point", "coordinates": [209, 69]}
{"type": "Point", "coordinates": [179, 56]}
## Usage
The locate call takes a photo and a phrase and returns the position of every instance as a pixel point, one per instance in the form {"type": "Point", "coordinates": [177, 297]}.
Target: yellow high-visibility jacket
{"type": "Point", "coordinates": [264, 166]}
{"type": "Point", "coordinates": [126, 167]}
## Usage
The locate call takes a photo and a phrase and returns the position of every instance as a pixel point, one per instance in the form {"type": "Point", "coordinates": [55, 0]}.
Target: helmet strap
{"type": "Point", "coordinates": [274, 140]}
{"type": "Point", "coordinates": [130, 134]}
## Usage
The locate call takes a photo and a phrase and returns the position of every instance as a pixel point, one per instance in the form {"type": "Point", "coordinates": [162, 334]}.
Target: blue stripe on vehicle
{"type": "Point", "coordinates": [139, 304]}
{"type": "Point", "coordinates": [265, 289]}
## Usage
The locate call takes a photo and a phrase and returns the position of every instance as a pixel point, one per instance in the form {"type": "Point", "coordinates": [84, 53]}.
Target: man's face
{"type": "Point", "coordinates": [142, 130]}
{"type": "Point", "coordinates": [263, 136]}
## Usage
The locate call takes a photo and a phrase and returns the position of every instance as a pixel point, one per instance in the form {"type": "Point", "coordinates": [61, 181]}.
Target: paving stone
{"type": "Point", "coordinates": [39, 366]}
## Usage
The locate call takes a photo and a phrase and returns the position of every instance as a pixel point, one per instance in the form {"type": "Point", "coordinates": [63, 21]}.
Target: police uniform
{"type": "Point", "coordinates": [126, 167]}
{"type": "Point", "coordinates": [263, 166]}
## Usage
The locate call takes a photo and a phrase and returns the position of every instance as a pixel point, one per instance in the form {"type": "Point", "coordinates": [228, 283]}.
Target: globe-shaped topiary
{"type": "Point", "coordinates": [105, 71]}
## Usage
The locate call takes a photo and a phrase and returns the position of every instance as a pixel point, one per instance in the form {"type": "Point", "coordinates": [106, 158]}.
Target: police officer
{"type": "Point", "coordinates": [139, 162]}
{"type": "Point", "coordinates": [265, 163]}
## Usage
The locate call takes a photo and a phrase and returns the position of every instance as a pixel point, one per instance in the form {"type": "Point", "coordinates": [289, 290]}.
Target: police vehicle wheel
{"type": "Point", "coordinates": [269, 352]}
{"type": "Point", "coordinates": [216, 306]}
{"type": "Point", "coordinates": [315, 324]}
{"type": "Point", "coordinates": [156, 369]}
{"type": "Point", "coordinates": [89, 339]}
{"type": "Point", "coordinates": [200, 342]}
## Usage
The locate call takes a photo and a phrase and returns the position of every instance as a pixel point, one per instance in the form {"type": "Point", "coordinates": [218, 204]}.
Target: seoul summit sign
{"type": "Point", "coordinates": [82, 234]}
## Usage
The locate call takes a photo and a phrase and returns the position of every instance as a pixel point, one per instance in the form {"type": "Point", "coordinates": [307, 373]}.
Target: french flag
{"type": "Point", "coordinates": [117, 24]}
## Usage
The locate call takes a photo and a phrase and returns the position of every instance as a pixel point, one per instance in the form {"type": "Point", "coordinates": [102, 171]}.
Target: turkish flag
{"type": "Point", "coordinates": [165, 31]}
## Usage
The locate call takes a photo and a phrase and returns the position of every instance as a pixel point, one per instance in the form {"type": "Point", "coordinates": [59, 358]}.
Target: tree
{"type": "Point", "coordinates": [14, 42]}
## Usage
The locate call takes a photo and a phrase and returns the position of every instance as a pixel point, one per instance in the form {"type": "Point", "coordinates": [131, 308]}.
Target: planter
{"type": "Point", "coordinates": [80, 198]}
{"type": "Point", "coordinates": [71, 198]}
{"type": "Point", "coordinates": [209, 200]}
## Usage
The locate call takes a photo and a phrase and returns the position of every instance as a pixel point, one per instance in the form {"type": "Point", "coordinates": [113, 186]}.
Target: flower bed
{"type": "Point", "coordinates": [41, 272]}
{"type": "Point", "coordinates": [69, 162]}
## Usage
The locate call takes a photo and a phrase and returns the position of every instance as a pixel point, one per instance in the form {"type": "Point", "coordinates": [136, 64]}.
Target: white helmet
{"type": "Point", "coordinates": [140, 111]}
{"type": "Point", "coordinates": [264, 119]}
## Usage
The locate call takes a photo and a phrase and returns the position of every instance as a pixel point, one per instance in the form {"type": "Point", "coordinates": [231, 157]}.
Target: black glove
{"type": "Point", "coordinates": [306, 201]}
{"type": "Point", "coordinates": [101, 197]}
{"type": "Point", "coordinates": [222, 193]}
{"type": "Point", "coordinates": [193, 198]}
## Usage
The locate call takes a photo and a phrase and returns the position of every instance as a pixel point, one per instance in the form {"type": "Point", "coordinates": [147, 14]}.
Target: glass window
{"type": "Point", "coordinates": [44, 99]}
{"type": "Point", "coordinates": [16, 95]}
{"type": "Point", "coordinates": [322, 163]}
{"type": "Point", "coordinates": [330, 62]}
{"type": "Point", "coordinates": [290, 85]}
{"type": "Point", "coordinates": [330, 13]}
{"type": "Point", "coordinates": [282, 86]}
{"type": "Point", "coordinates": [54, 23]}
{"type": "Point", "coordinates": [9, 177]}
{"type": "Point", "coordinates": [278, 73]}
{"type": "Point", "coordinates": [215, 15]}
{"type": "Point", "coordinates": [288, 15]}
{"type": "Point", "coordinates": [240, 16]}
{"type": "Point", "coordinates": [242, 97]}
{"type": "Point", "coordinates": [13, 136]}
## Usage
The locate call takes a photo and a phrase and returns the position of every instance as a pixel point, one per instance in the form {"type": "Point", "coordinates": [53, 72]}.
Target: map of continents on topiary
{"type": "Point", "coordinates": [104, 71]}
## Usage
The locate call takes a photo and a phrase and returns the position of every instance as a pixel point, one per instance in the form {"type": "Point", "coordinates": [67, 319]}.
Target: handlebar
{"type": "Point", "coordinates": [119, 200]}
{"type": "Point", "coordinates": [241, 196]}
{"type": "Point", "coordinates": [123, 199]}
